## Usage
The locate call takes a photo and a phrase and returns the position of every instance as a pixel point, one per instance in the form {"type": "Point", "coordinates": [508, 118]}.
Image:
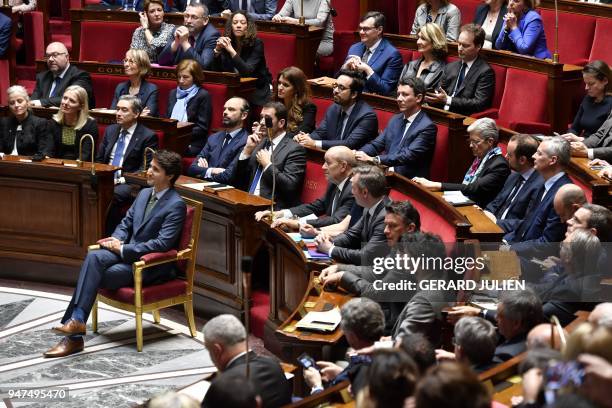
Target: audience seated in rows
{"type": "Point", "coordinates": [255, 171]}
{"type": "Point", "coordinates": [137, 66]}
{"type": "Point", "coordinates": [374, 55]}
{"type": "Point", "coordinates": [430, 65]}
{"type": "Point", "coordinates": [5, 34]}
{"type": "Point", "coordinates": [190, 102]}
{"type": "Point", "coordinates": [489, 170]}
{"type": "Point", "coordinates": [350, 121]}
{"type": "Point", "coordinates": [467, 84]}
{"type": "Point", "coordinates": [240, 50]}
{"type": "Point", "coordinates": [293, 90]}
{"type": "Point", "coordinates": [258, 9]}
{"type": "Point", "coordinates": [316, 13]}
{"type": "Point", "coordinates": [51, 84]}
{"type": "Point", "coordinates": [140, 5]}
{"type": "Point", "coordinates": [154, 33]}
{"type": "Point", "coordinates": [408, 142]}
{"type": "Point", "coordinates": [523, 31]}
{"type": "Point", "coordinates": [441, 12]}
{"type": "Point", "coordinates": [490, 16]}
{"type": "Point", "coordinates": [22, 132]}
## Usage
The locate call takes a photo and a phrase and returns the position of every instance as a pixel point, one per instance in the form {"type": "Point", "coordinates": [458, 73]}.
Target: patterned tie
{"type": "Point", "coordinates": [119, 149]}
{"type": "Point", "coordinates": [150, 205]}
{"type": "Point", "coordinates": [335, 200]}
{"type": "Point", "coordinates": [226, 141]}
{"type": "Point", "coordinates": [366, 56]}
{"type": "Point", "coordinates": [55, 87]}
{"type": "Point", "coordinates": [258, 173]}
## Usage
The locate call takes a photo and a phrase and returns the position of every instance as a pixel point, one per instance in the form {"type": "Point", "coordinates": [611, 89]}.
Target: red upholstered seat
{"type": "Point", "coordinates": [439, 163]}
{"type": "Point", "coordinates": [500, 81]}
{"type": "Point", "coordinates": [383, 118]}
{"type": "Point", "coordinates": [111, 39]}
{"type": "Point", "coordinates": [602, 43]}
{"type": "Point", "coordinates": [259, 312]}
{"type": "Point", "coordinates": [406, 9]}
{"type": "Point", "coordinates": [150, 294]}
{"type": "Point", "coordinates": [407, 55]}
{"type": "Point", "coordinates": [164, 86]}
{"type": "Point", "coordinates": [586, 188]}
{"type": "Point", "coordinates": [5, 81]}
{"type": "Point", "coordinates": [322, 106]}
{"type": "Point", "coordinates": [34, 36]}
{"type": "Point", "coordinates": [280, 51]}
{"type": "Point", "coordinates": [104, 88]}
{"type": "Point", "coordinates": [467, 8]}
{"type": "Point", "coordinates": [576, 33]}
{"type": "Point", "coordinates": [342, 42]}
{"type": "Point", "coordinates": [218, 95]}
{"type": "Point", "coordinates": [315, 182]}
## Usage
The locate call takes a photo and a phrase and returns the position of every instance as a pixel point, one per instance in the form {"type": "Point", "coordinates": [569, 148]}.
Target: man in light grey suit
{"type": "Point", "coordinates": [596, 146]}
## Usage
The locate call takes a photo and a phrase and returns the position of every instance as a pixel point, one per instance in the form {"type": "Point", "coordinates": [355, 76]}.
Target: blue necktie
{"type": "Point", "coordinates": [226, 140]}
{"type": "Point", "coordinates": [119, 150]}
{"type": "Point", "coordinates": [460, 77]}
{"type": "Point", "coordinates": [56, 83]}
{"type": "Point", "coordinates": [258, 173]}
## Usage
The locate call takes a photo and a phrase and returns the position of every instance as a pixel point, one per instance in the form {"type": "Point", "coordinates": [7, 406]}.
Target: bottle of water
{"type": "Point", "coordinates": [128, 5]}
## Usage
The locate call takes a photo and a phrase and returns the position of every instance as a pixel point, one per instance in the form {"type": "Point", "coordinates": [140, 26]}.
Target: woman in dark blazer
{"type": "Point", "coordinates": [431, 43]}
{"type": "Point", "coordinates": [137, 65]}
{"type": "Point", "coordinates": [21, 132]}
{"type": "Point", "coordinates": [243, 52]}
{"type": "Point", "coordinates": [71, 123]}
{"type": "Point", "coordinates": [294, 92]}
{"type": "Point", "coordinates": [490, 16]}
{"type": "Point", "coordinates": [189, 102]}
{"type": "Point", "coordinates": [489, 170]}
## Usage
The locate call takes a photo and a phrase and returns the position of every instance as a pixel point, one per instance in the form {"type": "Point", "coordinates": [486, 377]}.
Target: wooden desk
{"type": "Point", "coordinates": [49, 214]}
{"type": "Point", "coordinates": [572, 6]}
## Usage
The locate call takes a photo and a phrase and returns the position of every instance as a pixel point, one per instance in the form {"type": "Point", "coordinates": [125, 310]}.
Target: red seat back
{"type": "Point", "coordinates": [576, 33]}
{"type": "Point", "coordinates": [218, 96]}
{"type": "Point", "coordinates": [500, 80]}
{"type": "Point", "coordinates": [602, 43]}
{"type": "Point", "coordinates": [280, 51]}
{"type": "Point", "coordinates": [322, 106]}
{"type": "Point", "coordinates": [383, 118]}
{"type": "Point", "coordinates": [587, 190]}
{"type": "Point", "coordinates": [406, 9]}
{"type": "Point", "coordinates": [186, 236]}
{"type": "Point", "coordinates": [5, 81]}
{"type": "Point", "coordinates": [406, 54]}
{"type": "Point", "coordinates": [467, 8]}
{"type": "Point", "coordinates": [105, 41]}
{"type": "Point", "coordinates": [315, 182]}
{"type": "Point", "coordinates": [342, 42]}
{"type": "Point", "coordinates": [439, 163]}
{"type": "Point", "coordinates": [519, 85]}
{"type": "Point", "coordinates": [348, 15]}
{"type": "Point", "coordinates": [104, 88]}
{"type": "Point", "coordinates": [164, 87]}
{"type": "Point", "coordinates": [34, 36]}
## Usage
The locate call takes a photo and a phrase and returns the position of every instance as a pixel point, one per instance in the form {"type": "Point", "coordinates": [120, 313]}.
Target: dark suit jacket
{"type": "Point", "coordinates": [290, 166]}
{"type": "Point", "coordinates": [510, 348]}
{"type": "Point", "coordinates": [72, 152]}
{"type": "Point", "coordinates": [322, 207]}
{"type": "Point", "coordinates": [423, 314]}
{"type": "Point", "coordinates": [142, 138]}
{"type": "Point", "coordinates": [259, 10]}
{"type": "Point", "coordinates": [34, 137]}
{"type": "Point", "coordinates": [387, 65]}
{"type": "Point", "coordinates": [5, 33]}
{"type": "Point", "coordinates": [601, 141]}
{"type": "Point", "coordinates": [481, 15]}
{"type": "Point", "coordinates": [250, 62]}
{"type": "Point", "coordinates": [199, 111]}
{"type": "Point", "coordinates": [518, 207]}
{"type": "Point", "coordinates": [413, 157]}
{"type": "Point", "coordinates": [541, 224]}
{"type": "Point", "coordinates": [216, 157]}
{"type": "Point", "coordinates": [73, 76]}
{"type": "Point", "coordinates": [476, 92]}
{"type": "Point", "coordinates": [359, 246]}
{"type": "Point", "coordinates": [202, 51]}
{"type": "Point", "coordinates": [361, 126]}
{"type": "Point", "coordinates": [148, 94]}
{"type": "Point", "coordinates": [487, 185]}
{"type": "Point", "coordinates": [267, 377]}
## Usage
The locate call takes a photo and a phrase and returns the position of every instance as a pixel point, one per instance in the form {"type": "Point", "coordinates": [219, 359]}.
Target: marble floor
{"type": "Point", "coordinates": [109, 372]}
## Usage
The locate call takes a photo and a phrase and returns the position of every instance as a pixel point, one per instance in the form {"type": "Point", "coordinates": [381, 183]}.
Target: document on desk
{"type": "Point", "coordinates": [456, 198]}
{"type": "Point", "coordinates": [320, 321]}
{"type": "Point", "coordinates": [210, 184]}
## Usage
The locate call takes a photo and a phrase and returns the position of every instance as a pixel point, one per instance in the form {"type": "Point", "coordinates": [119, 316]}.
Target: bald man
{"type": "Point", "coordinates": [50, 84]}
{"type": "Point", "coordinates": [602, 314]}
{"type": "Point", "coordinates": [540, 336]}
{"type": "Point", "coordinates": [333, 206]}
{"type": "Point", "coordinates": [568, 199]}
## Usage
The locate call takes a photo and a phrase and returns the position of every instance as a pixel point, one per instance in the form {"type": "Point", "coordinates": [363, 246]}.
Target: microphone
{"type": "Point", "coordinates": [269, 126]}
{"type": "Point", "coordinates": [556, 53]}
{"type": "Point", "coordinates": [246, 265]}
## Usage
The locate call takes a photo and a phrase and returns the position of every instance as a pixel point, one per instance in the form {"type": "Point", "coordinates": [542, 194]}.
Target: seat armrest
{"type": "Point", "coordinates": [492, 113]}
{"type": "Point", "coordinates": [531, 127]}
{"type": "Point", "coordinates": [159, 257]}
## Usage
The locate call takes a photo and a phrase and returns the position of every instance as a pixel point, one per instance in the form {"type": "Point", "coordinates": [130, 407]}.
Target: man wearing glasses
{"type": "Point", "coordinates": [350, 121]}
{"type": "Point", "coordinates": [380, 61]}
{"type": "Point", "coordinates": [195, 39]}
{"type": "Point", "coordinates": [50, 84]}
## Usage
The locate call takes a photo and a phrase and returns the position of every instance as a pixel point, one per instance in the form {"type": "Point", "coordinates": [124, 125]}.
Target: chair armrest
{"type": "Point", "coordinates": [159, 257]}
{"type": "Point", "coordinates": [492, 113]}
{"type": "Point", "coordinates": [531, 127]}
{"type": "Point", "coordinates": [93, 247]}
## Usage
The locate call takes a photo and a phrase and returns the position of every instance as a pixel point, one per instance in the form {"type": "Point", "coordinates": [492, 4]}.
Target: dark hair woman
{"type": "Point", "coordinates": [294, 92]}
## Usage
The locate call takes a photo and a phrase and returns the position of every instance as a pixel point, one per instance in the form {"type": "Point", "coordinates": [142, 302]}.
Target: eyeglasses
{"type": "Point", "coordinates": [341, 87]}
{"type": "Point", "coordinates": [366, 29]}
{"type": "Point", "coordinates": [475, 142]}
{"type": "Point", "coordinates": [192, 17]}
{"type": "Point", "coordinates": [54, 55]}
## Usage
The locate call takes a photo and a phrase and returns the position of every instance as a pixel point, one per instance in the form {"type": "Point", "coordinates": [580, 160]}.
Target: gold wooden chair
{"type": "Point", "coordinates": [139, 299]}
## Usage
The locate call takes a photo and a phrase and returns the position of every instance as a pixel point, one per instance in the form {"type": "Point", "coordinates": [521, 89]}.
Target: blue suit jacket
{"type": "Point", "coordinates": [413, 157]}
{"type": "Point", "coordinates": [518, 208]}
{"type": "Point", "coordinates": [387, 65]}
{"type": "Point", "coordinates": [259, 10]}
{"type": "Point", "coordinates": [361, 126]}
{"type": "Point", "coordinates": [142, 138]}
{"type": "Point", "coordinates": [541, 224]}
{"type": "Point", "coordinates": [216, 157]}
{"type": "Point", "coordinates": [148, 94]}
{"type": "Point", "coordinates": [202, 51]}
{"type": "Point", "coordinates": [5, 34]}
{"type": "Point", "coordinates": [528, 38]}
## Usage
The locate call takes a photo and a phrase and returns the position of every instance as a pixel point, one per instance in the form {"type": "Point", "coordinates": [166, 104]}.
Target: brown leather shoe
{"type": "Point", "coordinates": [65, 347]}
{"type": "Point", "coordinates": [71, 327]}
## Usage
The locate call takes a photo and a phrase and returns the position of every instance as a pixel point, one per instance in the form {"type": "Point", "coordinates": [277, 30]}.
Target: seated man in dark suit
{"type": "Point", "coordinates": [195, 39]}
{"type": "Point", "coordinates": [124, 146]}
{"type": "Point", "coordinates": [365, 240]}
{"type": "Point", "coordinates": [380, 61]}
{"type": "Point", "coordinates": [408, 142]}
{"type": "Point", "coordinates": [521, 186]}
{"type": "Point", "coordinates": [257, 167]}
{"type": "Point", "coordinates": [258, 9]}
{"type": "Point", "coordinates": [541, 223]}
{"type": "Point", "coordinates": [333, 206]}
{"type": "Point", "coordinates": [225, 340]}
{"type": "Point", "coordinates": [152, 224]}
{"type": "Point", "coordinates": [350, 121]}
{"type": "Point", "coordinates": [5, 34]}
{"type": "Point", "coordinates": [596, 146]}
{"type": "Point", "coordinates": [217, 159]}
{"type": "Point", "coordinates": [231, 390]}
{"type": "Point", "coordinates": [468, 84]}
{"type": "Point", "coordinates": [51, 84]}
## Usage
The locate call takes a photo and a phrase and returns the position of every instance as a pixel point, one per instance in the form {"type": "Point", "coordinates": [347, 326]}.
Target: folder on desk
{"type": "Point", "coordinates": [320, 321]}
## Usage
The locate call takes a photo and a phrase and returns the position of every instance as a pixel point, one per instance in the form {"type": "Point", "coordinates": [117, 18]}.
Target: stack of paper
{"type": "Point", "coordinates": [320, 321]}
{"type": "Point", "coordinates": [456, 198]}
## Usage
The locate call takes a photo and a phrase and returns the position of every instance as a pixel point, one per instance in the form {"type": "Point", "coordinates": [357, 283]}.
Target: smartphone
{"type": "Point", "coordinates": [596, 167]}
{"type": "Point", "coordinates": [306, 361]}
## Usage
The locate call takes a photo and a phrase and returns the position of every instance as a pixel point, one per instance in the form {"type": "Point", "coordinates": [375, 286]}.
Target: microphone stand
{"type": "Point", "coordinates": [556, 53]}
{"type": "Point", "coordinates": [246, 264]}
{"type": "Point", "coordinates": [79, 162]}
{"type": "Point", "coordinates": [144, 158]}
{"type": "Point", "coordinates": [302, 19]}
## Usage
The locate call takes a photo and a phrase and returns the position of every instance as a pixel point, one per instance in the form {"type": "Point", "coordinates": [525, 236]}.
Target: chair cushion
{"type": "Point", "coordinates": [33, 25]}
{"type": "Point", "coordinates": [500, 80]}
{"type": "Point", "coordinates": [407, 55]}
{"type": "Point", "coordinates": [406, 9]}
{"type": "Point", "coordinates": [518, 84]}
{"type": "Point", "coordinates": [322, 105]}
{"type": "Point", "coordinates": [576, 33]}
{"type": "Point", "coordinates": [315, 182]}
{"type": "Point", "coordinates": [150, 294]}
{"type": "Point", "coordinates": [438, 170]}
{"type": "Point", "coordinates": [602, 46]}
{"type": "Point", "coordinates": [383, 118]}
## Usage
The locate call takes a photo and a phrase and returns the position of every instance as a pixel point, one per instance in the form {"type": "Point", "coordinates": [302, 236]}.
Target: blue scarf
{"type": "Point", "coordinates": [478, 164]}
{"type": "Point", "coordinates": [179, 111]}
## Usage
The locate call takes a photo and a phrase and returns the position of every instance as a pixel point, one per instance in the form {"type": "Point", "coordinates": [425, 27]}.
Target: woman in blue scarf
{"type": "Point", "coordinates": [189, 102]}
{"type": "Point", "coordinates": [489, 170]}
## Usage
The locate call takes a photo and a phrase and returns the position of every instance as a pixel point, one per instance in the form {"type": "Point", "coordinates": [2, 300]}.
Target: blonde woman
{"type": "Point", "coordinates": [68, 126]}
{"type": "Point", "coordinates": [137, 66]}
{"type": "Point", "coordinates": [431, 43]}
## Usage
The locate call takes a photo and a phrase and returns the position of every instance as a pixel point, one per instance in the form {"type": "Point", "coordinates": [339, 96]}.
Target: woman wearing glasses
{"type": "Point", "coordinates": [137, 66]}
{"type": "Point", "coordinates": [153, 33]}
{"type": "Point", "coordinates": [441, 12]}
{"type": "Point", "coordinates": [489, 170]}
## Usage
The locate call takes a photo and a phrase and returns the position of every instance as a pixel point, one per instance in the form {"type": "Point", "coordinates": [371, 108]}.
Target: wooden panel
{"type": "Point", "coordinates": [578, 7]}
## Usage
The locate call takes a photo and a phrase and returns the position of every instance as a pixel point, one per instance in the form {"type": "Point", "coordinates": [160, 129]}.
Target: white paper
{"type": "Point", "coordinates": [326, 321]}
{"type": "Point", "coordinates": [455, 197]}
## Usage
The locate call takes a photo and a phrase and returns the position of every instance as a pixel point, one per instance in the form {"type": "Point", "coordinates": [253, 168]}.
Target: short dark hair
{"type": "Point", "coordinates": [417, 85]}
{"type": "Point", "coordinates": [476, 31]}
{"type": "Point", "coordinates": [526, 145]}
{"type": "Point", "coordinates": [364, 318]}
{"type": "Point", "coordinates": [406, 210]}
{"type": "Point", "coordinates": [600, 70]}
{"type": "Point", "coordinates": [199, 4]}
{"type": "Point", "coordinates": [417, 346]}
{"type": "Point", "coordinates": [170, 162]}
{"type": "Point", "coordinates": [477, 339]}
{"type": "Point", "coordinates": [230, 390]}
{"type": "Point", "coordinates": [392, 377]}
{"type": "Point", "coordinates": [601, 220]}
{"type": "Point", "coordinates": [451, 385]}
{"type": "Point", "coordinates": [358, 77]}
{"type": "Point", "coordinates": [523, 306]}
{"type": "Point", "coordinates": [280, 110]}
{"type": "Point", "coordinates": [379, 18]}
{"type": "Point", "coordinates": [371, 178]}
